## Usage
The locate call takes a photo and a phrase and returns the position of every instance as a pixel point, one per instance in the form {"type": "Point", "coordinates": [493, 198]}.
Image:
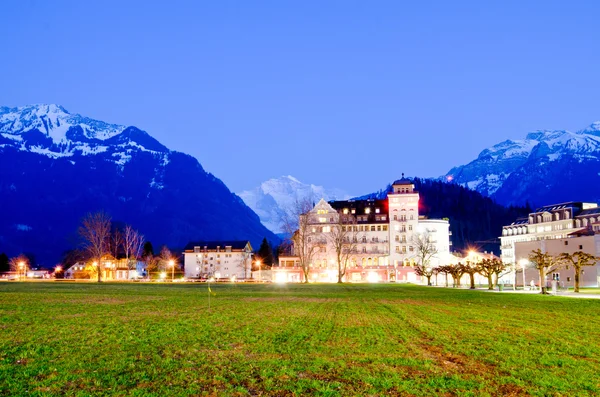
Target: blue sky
{"type": "Point", "coordinates": [345, 94]}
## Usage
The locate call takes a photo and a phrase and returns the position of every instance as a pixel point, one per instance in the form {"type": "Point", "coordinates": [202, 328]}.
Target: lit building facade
{"type": "Point", "coordinates": [554, 229]}
{"type": "Point", "coordinates": [218, 259]}
{"type": "Point", "coordinates": [380, 239]}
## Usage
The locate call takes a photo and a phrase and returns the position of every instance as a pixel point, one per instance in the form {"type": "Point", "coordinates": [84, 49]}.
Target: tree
{"type": "Point", "coordinates": [265, 253]}
{"type": "Point", "coordinates": [445, 270]}
{"type": "Point", "coordinates": [297, 224]}
{"type": "Point", "coordinates": [487, 267]}
{"type": "Point", "coordinates": [470, 268]}
{"type": "Point", "coordinates": [4, 263]}
{"type": "Point", "coordinates": [343, 238]}
{"type": "Point", "coordinates": [424, 251]}
{"type": "Point", "coordinates": [148, 249]}
{"type": "Point", "coordinates": [95, 231]}
{"type": "Point", "coordinates": [19, 264]}
{"type": "Point", "coordinates": [456, 271]}
{"type": "Point", "coordinates": [544, 263]}
{"type": "Point", "coordinates": [132, 245]}
{"type": "Point", "coordinates": [578, 260]}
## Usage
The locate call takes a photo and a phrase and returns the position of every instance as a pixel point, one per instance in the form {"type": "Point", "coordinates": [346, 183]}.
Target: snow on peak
{"type": "Point", "coordinates": [278, 196]}
{"type": "Point", "coordinates": [53, 121]}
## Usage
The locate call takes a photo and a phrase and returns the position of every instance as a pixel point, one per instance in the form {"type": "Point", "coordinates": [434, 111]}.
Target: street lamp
{"type": "Point", "coordinates": [172, 264]}
{"type": "Point", "coordinates": [523, 262]}
{"type": "Point", "coordinates": [21, 269]}
{"type": "Point", "coordinates": [259, 275]}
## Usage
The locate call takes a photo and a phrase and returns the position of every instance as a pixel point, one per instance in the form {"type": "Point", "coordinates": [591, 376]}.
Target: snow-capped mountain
{"type": "Point", "coordinates": [544, 168]}
{"type": "Point", "coordinates": [56, 166]}
{"type": "Point", "coordinates": [277, 196]}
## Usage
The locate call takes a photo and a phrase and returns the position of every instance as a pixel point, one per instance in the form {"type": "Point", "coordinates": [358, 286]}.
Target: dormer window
{"type": "Point", "coordinates": [345, 211]}
{"type": "Point", "coordinates": [367, 210]}
{"type": "Point", "coordinates": [377, 210]}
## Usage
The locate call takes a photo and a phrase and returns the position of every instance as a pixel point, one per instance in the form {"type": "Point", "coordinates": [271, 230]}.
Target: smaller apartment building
{"type": "Point", "coordinates": [555, 229]}
{"type": "Point", "coordinates": [218, 259]}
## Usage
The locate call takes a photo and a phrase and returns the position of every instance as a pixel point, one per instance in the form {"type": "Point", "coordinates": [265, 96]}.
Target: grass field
{"type": "Point", "coordinates": [326, 340]}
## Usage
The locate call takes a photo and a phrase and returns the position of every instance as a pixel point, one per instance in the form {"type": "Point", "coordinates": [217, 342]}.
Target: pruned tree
{"type": "Point", "coordinates": [133, 243]}
{"type": "Point", "coordinates": [544, 263]}
{"type": "Point", "coordinates": [471, 268]}
{"type": "Point", "coordinates": [456, 271]}
{"type": "Point", "coordinates": [297, 224]}
{"type": "Point", "coordinates": [578, 260]}
{"type": "Point", "coordinates": [19, 264]}
{"type": "Point", "coordinates": [95, 231]}
{"type": "Point", "coordinates": [487, 267]}
{"type": "Point", "coordinates": [425, 250]}
{"type": "Point", "coordinates": [445, 270]}
{"type": "Point", "coordinates": [343, 238]}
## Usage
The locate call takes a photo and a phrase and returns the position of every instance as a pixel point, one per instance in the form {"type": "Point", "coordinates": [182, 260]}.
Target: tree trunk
{"type": "Point", "coordinates": [577, 271]}
{"type": "Point", "coordinates": [490, 281]}
{"type": "Point", "coordinates": [472, 277]}
{"type": "Point", "coordinates": [496, 280]}
{"type": "Point", "coordinates": [542, 282]}
{"type": "Point", "coordinates": [428, 280]}
{"type": "Point", "coordinates": [446, 280]}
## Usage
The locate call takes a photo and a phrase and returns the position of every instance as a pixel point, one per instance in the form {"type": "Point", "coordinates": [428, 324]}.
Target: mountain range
{"type": "Point", "coordinates": [56, 166]}
{"type": "Point", "coordinates": [277, 196]}
{"type": "Point", "coordinates": [544, 168]}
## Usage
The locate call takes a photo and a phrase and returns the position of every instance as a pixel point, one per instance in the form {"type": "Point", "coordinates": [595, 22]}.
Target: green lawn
{"type": "Point", "coordinates": [326, 340]}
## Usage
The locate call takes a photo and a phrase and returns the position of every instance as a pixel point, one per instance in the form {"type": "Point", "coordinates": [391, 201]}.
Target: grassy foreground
{"type": "Point", "coordinates": [327, 340]}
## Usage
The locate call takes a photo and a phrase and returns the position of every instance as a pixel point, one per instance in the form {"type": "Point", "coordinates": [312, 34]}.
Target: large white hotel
{"type": "Point", "coordinates": [385, 231]}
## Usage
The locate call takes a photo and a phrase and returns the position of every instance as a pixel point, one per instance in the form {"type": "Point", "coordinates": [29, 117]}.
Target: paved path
{"type": "Point", "coordinates": [566, 294]}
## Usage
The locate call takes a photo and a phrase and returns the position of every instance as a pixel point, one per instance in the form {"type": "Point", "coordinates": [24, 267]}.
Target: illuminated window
{"type": "Point", "coordinates": [373, 228]}
{"type": "Point", "coordinates": [321, 211]}
{"type": "Point", "coordinates": [322, 220]}
{"type": "Point", "coordinates": [345, 210]}
{"type": "Point", "coordinates": [384, 227]}
{"type": "Point", "coordinates": [377, 210]}
{"type": "Point", "coordinates": [367, 210]}
{"type": "Point", "coordinates": [353, 211]}
{"type": "Point", "coordinates": [397, 248]}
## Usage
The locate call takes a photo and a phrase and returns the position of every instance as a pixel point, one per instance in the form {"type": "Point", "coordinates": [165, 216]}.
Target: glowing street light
{"type": "Point", "coordinates": [172, 264]}
{"type": "Point", "coordinates": [21, 269]}
{"type": "Point", "coordinates": [259, 266]}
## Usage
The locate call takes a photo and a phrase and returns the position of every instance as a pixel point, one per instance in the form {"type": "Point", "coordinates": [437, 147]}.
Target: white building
{"type": "Point", "coordinates": [383, 234]}
{"type": "Point", "coordinates": [554, 229]}
{"type": "Point", "coordinates": [218, 259]}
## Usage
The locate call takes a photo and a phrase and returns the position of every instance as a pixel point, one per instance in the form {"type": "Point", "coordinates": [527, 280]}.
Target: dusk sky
{"type": "Point", "coordinates": [345, 94]}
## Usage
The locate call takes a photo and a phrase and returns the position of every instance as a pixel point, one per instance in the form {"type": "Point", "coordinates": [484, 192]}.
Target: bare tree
{"type": "Point", "coordinates": [445, 270]}
{"type": "Point", "coordinates": [456, 271]}
{"type": "Point", "coordinates": [544, 263]}
{"type": "Point", "coordinates": [133, 243]}
{"type": "Point", "coordinates": [425, 250]}
{"type": "Point", "coordinates": [95, 231]}
{"type": "Point", "coordinates": [297, 224]}
{"type": "Point", "coordinates": [19, 264]}
{"type": "Point", "coordinates": [487, 267]}
{"type": "Point", "coordinates": [471, 268]}
{"type": "Point", "coordinates": [343, 238]}
{"type": "Point", "coordinates": [578, 260]}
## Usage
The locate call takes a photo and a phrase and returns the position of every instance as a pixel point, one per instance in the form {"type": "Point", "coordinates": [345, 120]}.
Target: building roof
{"type": "Point", "coordinates": [590, 211]}
{"type": "Point", "coordinates": [520, 221]}
{"type": "Point", "coordinates": [360, 206]}
{"type": "Point", "coordinates": [402, 181]}
{"type": "Point", "coordinates": [211, 245]}
{"type": "Point", "coordinates": [554, 207]}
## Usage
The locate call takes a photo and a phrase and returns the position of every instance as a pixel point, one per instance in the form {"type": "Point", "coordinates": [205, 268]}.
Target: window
{"type": "Point", "coordinates": [378, 228]}
{"type": "Point", "coordinates": [322, 219]}
{"type": "Point", "coordinates": [345, 211]}
{"type": "Point", "coordinates": [353, 211]}
{"type": "Point", "coordinates": [373, 228]}
{"type": "Point", "coordinates": [384, 227]}
{"type": "Point", "coordinates": [581, 247]}
{"type": "Point", "coordinates": [398, 249]}
{"type": "Point", "coordinates": [367, 210]}
{"type": "Point", "coordinates": [383, 217]}
{"type": "Point", "coordinates": [364, 249]}
{"type": "Point", "coordinates": [321, 211]}
{"type": "Point", "coordinates": [395, 217]}
{"type": "Point", "coordinates": [566, 243]}
{"type": "Point", "coordinates": [410, 228]}
{"type": "Point", "coordinates": [377, 210]}
{"type": "Point", "coordinates": [404, 249]}
{"type": "Point", "coordinates": [410, 248]}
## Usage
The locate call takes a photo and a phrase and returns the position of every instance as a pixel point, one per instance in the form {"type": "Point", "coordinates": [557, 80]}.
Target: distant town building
{"type": "Point", "coordinates": [218, 259]}
{"type": "Point", "coordinates": [566, 227]}
{"type": "Point", "coordinates": [382, 236]}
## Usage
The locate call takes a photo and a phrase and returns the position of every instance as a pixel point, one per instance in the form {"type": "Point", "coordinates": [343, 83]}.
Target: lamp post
{"type": "Point", "coordinates": [172, 264]}
{"type": "Point", "coordinates": [523, 262]}
{"type": "Point", "coordinates": [21, 270]}
{"type": "Point", "coordinates": [259, 275]}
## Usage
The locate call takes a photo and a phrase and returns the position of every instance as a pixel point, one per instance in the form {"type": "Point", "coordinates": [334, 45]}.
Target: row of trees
{"type": "Point", "coordinates": [491, 268]}
{"type": "Point", "coordinates": [102, 241]}
{"type": "Point", "coordinates": [546, 263]}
